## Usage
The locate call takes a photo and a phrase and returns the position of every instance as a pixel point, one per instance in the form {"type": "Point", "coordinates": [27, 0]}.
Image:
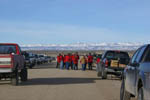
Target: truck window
{"type": "Point", "coordinates": [140, 54]}
{"type": "Point", "coordinates": [7, 49]}
{"type": "Point", "coordinates": [117, 55]}
{"type": "Point", "coordinates": [134, 56]}
{"type": "Point", "coordinates": [147, 58]}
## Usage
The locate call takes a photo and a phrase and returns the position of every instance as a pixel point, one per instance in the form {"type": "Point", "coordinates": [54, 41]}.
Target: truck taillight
{"type": "Point", "coordinates": [5, 61]}
{"type": "Point", "coordinates": [106, 63]}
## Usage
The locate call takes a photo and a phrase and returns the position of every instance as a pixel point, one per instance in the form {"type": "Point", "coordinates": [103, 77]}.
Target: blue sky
{"type": "Point", "coordinates": [71, 21]}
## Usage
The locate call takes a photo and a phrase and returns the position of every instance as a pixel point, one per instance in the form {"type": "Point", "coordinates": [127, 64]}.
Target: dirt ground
{"type": "Point", "coordinates": [48, 83]}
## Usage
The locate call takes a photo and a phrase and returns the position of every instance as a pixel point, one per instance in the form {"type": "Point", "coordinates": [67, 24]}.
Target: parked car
{"type": "Point", "coordinates": [29, 59]}
{"type": "Point", "coordinates": [38, 59]}
{"type": "Point", "coordinates": [112, 62]}
{"type": "Point", "coordinates": [42, 58]}
{"type": "Point", "coordinates": [136, 77]}
{"type": "Point", "coordinates": [12, 63]}
{"type": "Point", "coordinates": [47, 59]}
{"type": "Point", "coordinates": [53, 58]}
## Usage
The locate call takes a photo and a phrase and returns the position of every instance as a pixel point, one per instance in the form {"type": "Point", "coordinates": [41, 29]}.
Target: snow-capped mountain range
{"type": "Point", "coordinates": [84, 46]}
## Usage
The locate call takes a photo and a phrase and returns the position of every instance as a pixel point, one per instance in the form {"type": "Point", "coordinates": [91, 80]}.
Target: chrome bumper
{"type": "Point", "coordinates": [5, 70]}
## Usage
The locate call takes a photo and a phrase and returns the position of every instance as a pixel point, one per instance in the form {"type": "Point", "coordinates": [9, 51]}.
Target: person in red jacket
{"type": "Point", "coordinates": [75, 62]}
{"type": "Point", "coordinates": [90, 61]}
{"type": "Point", "coordinates": [77, 58]}
{"type": "Point", "coordinates": [72, 61]}
{"type": "Point", "coordinates": [98, 60]}
{"type": "Point", "coordinates": [68, 61]}
{"type": "Point", "coordinates": [58, 61]}
{"type": "Point", "coordinates": [86, 60]}
{"type": "Point", "coordinates": [61, 62]}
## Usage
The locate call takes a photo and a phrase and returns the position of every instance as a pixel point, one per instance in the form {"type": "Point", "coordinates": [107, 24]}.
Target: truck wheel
{"type": "Point", "coordinates": [124, 95]}
{"type": "Point", "coordinates": [30, 66]}
{"type": "Point", "coordinates": [24, 74]}
{"type": "Point", "coordinates": [104, 74]}
{"type": "Point", "coordinates": [140, 94]}
{"type": "Point", "coordinates": [121, 75]}
{"type": "Point", "coordinates": [15, 78]}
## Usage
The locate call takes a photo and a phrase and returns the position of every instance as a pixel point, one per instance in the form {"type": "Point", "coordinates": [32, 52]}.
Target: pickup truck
{"type": "Point", "coordinates": [136, 76]}
{"type": "Point", "coordinates": [112, 62]}
{"type": "Point", "coordinates": [12, 63]}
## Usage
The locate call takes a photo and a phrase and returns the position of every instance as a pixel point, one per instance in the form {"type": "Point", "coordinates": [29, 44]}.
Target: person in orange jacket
{"type": "Point", "coordinates": [90, 61]}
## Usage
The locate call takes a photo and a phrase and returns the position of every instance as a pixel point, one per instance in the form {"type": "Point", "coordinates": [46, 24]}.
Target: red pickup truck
{"type": "Point", "coordinates": [12, 63]}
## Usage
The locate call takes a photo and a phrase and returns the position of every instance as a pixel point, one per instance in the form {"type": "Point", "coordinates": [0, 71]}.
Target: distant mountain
{"type": "Point", "coordinates": [83, 46]}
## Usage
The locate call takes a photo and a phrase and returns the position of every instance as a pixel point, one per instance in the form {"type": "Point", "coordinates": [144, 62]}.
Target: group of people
{"type": "Point", "coordinates": [70, 61]}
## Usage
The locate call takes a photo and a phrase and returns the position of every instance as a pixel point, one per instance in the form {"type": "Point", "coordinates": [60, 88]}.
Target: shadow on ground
{"type": "Point", "coordinates": [59, 81]}
{"type": "Point", "coordinates": [45, 66]}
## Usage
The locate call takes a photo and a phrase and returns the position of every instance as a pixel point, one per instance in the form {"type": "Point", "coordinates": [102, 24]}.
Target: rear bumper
{"type": "Point", "coordinates": [6, 70]}
{"type": "Point", "coordinates": [114, 68]}
{"type": "Point", "coordinates": [114, 71]}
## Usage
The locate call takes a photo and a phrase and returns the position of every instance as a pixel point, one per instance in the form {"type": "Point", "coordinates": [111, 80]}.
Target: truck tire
{"type": "Point", "coordinates": [15, 78]}
{"type": "Point", "coordinates": [140, 94]}
{"type": "Point", "coordinates": [24, 75]}
{"type": "Point", "coordinates": [121, 75]}
{"type": "Point", "coordinates": [104, 74]}
{"type": "Point", "coordinates": [30, 66]}
{"type": "Point", "coordinates": [124, 95]}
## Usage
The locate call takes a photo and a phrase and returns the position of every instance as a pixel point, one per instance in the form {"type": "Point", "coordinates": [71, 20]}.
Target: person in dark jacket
{"type": "Point", "coordinates": [64, 60]}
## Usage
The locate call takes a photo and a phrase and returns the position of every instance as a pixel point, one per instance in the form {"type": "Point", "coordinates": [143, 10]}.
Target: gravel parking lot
{"type": "Point", "coordinates": [48, 83]}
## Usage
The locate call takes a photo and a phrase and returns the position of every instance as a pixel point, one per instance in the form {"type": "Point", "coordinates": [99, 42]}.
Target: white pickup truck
{"type": "Point", "coordinates": [12, 63]}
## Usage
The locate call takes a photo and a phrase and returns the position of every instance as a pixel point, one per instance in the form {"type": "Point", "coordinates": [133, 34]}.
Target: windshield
{"type": "Point", "coordinates": [7, 49]}
{"type": "Point", "coordinates": [116, 55]}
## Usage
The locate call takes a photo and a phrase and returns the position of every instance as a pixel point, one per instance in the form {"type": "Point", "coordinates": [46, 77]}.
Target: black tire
{"type": "Point", "coordinates": [140, 94]}
{"type": "Point", "coordinates": [24, 75]}
{"type": "Point", "coordinates": [121, 75]}
{"type": "Point", "coordinates": [15, 78]}
{"type": "Point", "coordinates": [124, 95]}
{"type": "Point", "coordinates": [31, 66]}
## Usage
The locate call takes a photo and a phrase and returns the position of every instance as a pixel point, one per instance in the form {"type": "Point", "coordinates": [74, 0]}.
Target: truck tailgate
{"type": "Point", "coordinates": [116, 64]}
{"type": "Point", "coordinates": [5, 61]}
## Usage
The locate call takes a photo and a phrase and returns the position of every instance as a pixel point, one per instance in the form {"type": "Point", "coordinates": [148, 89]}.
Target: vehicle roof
{"type": "Point", "coordinates": [146, 45]}
{"type": "Point", "coordinates": [8, 44]}
{"type": "Point", "coordinates": [116, 51]}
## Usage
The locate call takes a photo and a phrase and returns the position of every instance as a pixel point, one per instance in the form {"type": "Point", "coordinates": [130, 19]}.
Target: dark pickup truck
{"type": "Point", "coordinates": [136, 77]}
{"type": "Point", "coordinates": [112, 62]}
{"type": "Point", "coordinates": [12, 63]}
